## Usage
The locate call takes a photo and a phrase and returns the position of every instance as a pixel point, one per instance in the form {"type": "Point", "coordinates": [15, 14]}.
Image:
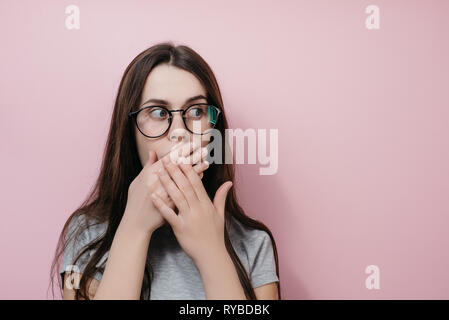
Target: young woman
{"type": "Point", "coordinates": [160, 222]}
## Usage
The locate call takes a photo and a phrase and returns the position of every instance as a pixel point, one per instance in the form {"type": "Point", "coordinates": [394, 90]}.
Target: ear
{"type": "Point", "coordinates": [220, 197]}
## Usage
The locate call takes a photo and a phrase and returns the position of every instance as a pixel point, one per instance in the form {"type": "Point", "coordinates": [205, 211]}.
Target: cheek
{"type": "Point", "coordinates": [142, 149]}
{"type": "Point", "coordinates": [144, 145]}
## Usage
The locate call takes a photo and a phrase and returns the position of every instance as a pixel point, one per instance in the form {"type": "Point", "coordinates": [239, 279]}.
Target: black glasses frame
{"type": "Point", "coordinates": [134, 115]}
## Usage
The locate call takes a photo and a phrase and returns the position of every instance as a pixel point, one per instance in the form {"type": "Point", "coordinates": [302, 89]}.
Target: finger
{"type": "Point", "coordinates": [220, 197]}
{"type": "Point", "coordinates": [200, 168]}
{"type": "Point", "coordinates": [152, 162]}
{"type": "Point", "coordinates": [162, 193]}
{"type": "Point", "coordinates": [183, 150]}
{"type": "Point", "coordinates": [179, 149]}
{"type": "Point", "coordinates": [181, 181]}
{"type": "Point", "coordinates": [152, 158]}
{"type": "Point", "coordinates": [199, 155]}
{"type": "Point", "coordinates": [165, 211]}
{"type": "Point", "coordinates": [175, 194]}
{"type": "Point", "coordinates": [195, 181]}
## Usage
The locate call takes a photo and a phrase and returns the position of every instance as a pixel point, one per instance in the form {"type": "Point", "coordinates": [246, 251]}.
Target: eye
{"type": "Point", "coordinates": [158, 113]}
{"type": "Point", "coordinates": [196, 112]}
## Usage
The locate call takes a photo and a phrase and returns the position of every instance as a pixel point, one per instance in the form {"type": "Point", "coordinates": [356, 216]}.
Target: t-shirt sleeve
{"type": "Point", "coordinates": [76, 243]}
{"type": "Point", "coordinates": [263, 268]}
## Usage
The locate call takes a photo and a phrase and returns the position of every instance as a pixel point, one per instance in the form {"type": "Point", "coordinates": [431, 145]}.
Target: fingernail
{"type": "Point", "coordinates": [204, 151]}
{"type": "Point", "coordinates": [153, 196]}
{"type": "Point", "coordinates": [206, 163]}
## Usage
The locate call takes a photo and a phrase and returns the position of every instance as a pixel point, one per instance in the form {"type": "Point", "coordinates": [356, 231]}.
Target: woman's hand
{"type": "Point", "coordinates": [199, 226]}
{"type": "Point", "coordinates": [140, 213]}
{"type": "Point", "coordinates": [180, 151]}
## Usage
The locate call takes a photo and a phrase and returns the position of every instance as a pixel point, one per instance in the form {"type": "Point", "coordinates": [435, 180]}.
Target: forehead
{"type": "Point", "coordinates": [172, 84]}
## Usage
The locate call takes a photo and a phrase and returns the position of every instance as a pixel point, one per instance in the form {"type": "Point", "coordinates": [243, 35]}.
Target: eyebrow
{"type": "Point", "coordinates": [165, 102]}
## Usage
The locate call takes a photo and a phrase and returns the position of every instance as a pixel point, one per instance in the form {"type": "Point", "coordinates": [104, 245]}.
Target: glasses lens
{"type": "Point", "coordinates": [153, 121]}
{"type": "Point", "coordinates": [200, 118]}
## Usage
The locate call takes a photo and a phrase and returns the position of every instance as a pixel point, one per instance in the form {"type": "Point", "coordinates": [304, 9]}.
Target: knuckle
{"type": "Point", "coordinates": [183, 186]}
{"type": "Point", "coordinates": [163, 193]}
{"type": "Point", "coordinates": [198, 184]}
{"type": "Point", "coordinates": [177, 198]}
{"type": "Point", "coordinates": [150, 187]}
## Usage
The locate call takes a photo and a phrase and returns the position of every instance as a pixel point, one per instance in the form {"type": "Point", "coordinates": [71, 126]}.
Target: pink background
{"type": "Point", "coordinates": [362, 114]}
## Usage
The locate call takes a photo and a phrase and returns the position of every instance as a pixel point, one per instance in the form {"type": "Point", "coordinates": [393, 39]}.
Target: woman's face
{"type": "Point", "coordinates": [176, 87]}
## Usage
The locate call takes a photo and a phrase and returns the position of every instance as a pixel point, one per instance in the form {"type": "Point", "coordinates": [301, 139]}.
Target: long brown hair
{"type": "Point", "coordinates": [120, 165]}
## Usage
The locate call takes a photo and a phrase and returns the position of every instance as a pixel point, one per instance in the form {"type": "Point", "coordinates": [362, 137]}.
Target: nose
{"type": "Point", "coordinates": [178, 135]}
{"type": "Point", "coordinates": [177, 131]}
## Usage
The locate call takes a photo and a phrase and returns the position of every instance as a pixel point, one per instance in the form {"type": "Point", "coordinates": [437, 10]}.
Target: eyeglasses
{"type": "Point", "coordinates": [155, 121]}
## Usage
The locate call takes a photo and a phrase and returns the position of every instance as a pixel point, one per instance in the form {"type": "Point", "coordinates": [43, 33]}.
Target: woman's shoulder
{"type": "Point", "coordinates": [85, 228]}
{"type": "Point", "coordinates": [246, 237]}
{"type": "Point", "coordinates": [82, 230]}
{"type": "Point", "coordinates": [255, 250]}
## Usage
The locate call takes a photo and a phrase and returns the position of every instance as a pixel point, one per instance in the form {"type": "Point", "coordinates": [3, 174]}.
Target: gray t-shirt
{"type": "Point", "coordinates": [175, 274]}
